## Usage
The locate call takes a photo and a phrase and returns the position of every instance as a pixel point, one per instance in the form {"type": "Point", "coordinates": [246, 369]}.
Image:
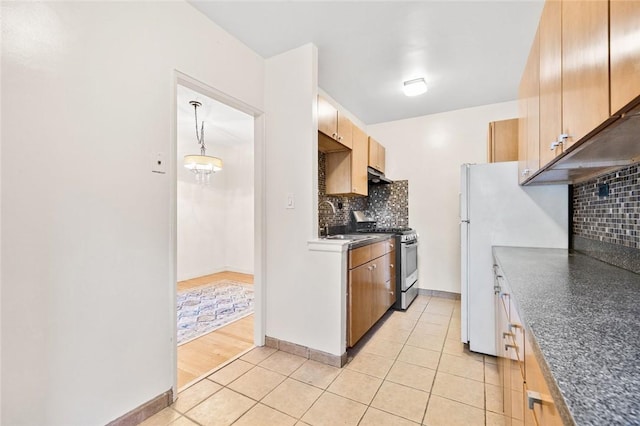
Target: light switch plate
{"type": "Point", "coordinates": [159, 163]}
{"type": "Point", "coordinates": [291, 201]}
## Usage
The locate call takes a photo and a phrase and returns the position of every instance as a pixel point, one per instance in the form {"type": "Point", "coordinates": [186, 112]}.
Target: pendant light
{"type": "Point", "coordinates": [201, 165]}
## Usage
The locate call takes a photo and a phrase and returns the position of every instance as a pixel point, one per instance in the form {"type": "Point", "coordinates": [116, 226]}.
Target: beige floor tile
{"type": "Point", "coordinates": [283, 362]}
{"type": "Point", "coordinates": [491, 374]}
{"type": "Point", "coordinates": [373, 365]}
{"type": "Point", "coordinates": [331, 410]}
{"type": "Point", "coordinates": [494, 398]}
{"type": "Point", "coordinates": [426, 341]}
{"type": "Point", "coordinates": [416, 307]}
{"type": "Point", "coordinates": [445, 412]}
{"type": "Point", "coordinates": [190, 397]}
{"type": "Point", "coordinates": [375, 417]}
{"type": "Point", "coordinates": [400, 323]}
{"type": "Point", "coordinates": [162, 418]}
{"type": "Point", "coordinates": [317, 374]}
{"type": "Point", "coordinates": [393, 335]}
{"type": "Point", "coordinates": [183, 421]}
{"type": "Point", "coordinates": [261, 415]}
{"type": "Point", "coordinates": [257, 382]}
{"type": "Point", "coordinates": [258, 354]}
{"type": "Point", "coordinates": [428, 328]}
{"type": "Point", "coordinates": [490, 359]}
{"type": "Point", "coordinates": [229, 373]}
{"type": "Point", "coordinates": [357, 386]}
{"type": "Point", "coordinates": [438, 309]}
{"type": "Point", "coordinates": [462, 366]}
{"type": "Point", "coordinates": [401, 400]}
{"type": "Point", "coordinates": [411, 375]}
{"type": "Point", "coordinates": [413, 314]}
{"type": "Point", "coordinates": [435, 318]}
{"type": "Point", "coordinates": [292, 397]}
{"type": "Point", "coordinates": [494, 419]}
{"type": "Point", "coordinates": [459, 389]}
{"type": "Point", "coordinates": [383, 348]}
{"type": "Point", "coordinates": [221, 409]}
{"type": "Point", "coordinates": [417, 356]}
{"type": "Point", "coordinates": [454, 333]}
{"type": "Point", "coordinates": [457, 348]}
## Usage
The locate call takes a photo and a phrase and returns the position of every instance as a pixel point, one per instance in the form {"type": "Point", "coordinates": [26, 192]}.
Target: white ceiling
{"type": "Point", "coordinates": [224, 126]}
{"type": "Point", "coordinates": [470, 52]}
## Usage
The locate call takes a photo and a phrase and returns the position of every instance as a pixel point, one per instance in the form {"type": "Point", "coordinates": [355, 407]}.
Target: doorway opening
{"type": "Point", "coordinates": [215, 234]}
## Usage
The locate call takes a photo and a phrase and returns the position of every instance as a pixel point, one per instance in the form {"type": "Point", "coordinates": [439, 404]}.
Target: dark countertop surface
{"type": "Point", "coordinates": [584, 315]}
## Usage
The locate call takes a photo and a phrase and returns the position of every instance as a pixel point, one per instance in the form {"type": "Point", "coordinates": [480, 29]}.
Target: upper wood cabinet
{"type": "Point", "coordinates": [529, 107]}
{"type": "Point", "coordinates": [376, 155]}
{"type": "Point", "coordinates": [550, 30]}
{"type": "Point", "coordinates": [585, 67]}
{"type": "Point", "coordinates": [624, 52]}
{"type": "Point", "coordinates": [502, 141]}
{"type": "Point", "coordinates": [334, 129]}
{"type": "Point", "coordinates": [346, 171]}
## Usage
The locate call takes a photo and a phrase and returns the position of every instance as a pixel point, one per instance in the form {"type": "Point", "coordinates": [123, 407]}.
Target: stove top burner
{"type": "Point", "coordinates": [386, 230]}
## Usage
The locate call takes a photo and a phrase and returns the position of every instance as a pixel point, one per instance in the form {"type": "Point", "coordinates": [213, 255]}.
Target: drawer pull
{"type": "Point", "coordinates": [511, 326]}
{"type": "Point", "coordinates": [505, 335]}
{"type": "Point", "coordinates": [534, 397]}
{"type": "Point", "coordinates": [507, 346]}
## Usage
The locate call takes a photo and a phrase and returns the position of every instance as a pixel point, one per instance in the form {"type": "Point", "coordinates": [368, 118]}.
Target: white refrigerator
{"type": "Point", "coordinates": [496, 211]}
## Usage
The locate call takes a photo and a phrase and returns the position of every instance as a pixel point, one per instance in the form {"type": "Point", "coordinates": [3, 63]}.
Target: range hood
{"type": "Point", "coordinates": [375, 177]}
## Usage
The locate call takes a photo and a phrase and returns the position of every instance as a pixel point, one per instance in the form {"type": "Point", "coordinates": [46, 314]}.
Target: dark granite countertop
{"type": "Point", "coordinates": [584, 316]}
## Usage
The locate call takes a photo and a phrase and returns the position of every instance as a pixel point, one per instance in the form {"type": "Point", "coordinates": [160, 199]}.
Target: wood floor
{"type": "Point", "coordinates": [205, 353]}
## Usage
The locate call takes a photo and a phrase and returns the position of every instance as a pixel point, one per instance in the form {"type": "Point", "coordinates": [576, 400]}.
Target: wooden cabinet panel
{"type": "Point", "coordinates": [359, 256]}
{"type": "Point", "coordinates": [550, 29]}
{"type": "Point", "coordinates": [543, 412]}
{"type": "Point", "coordinates": [529, 120]}
{"type": "Point", "coordinates": [377, 155]}
{"type": "Point", "coordinates": [624, 52]}
{"type": "Point", "coordinates": [334, 129]}
{"type": "Point", "coordinates": [346, 171]}
{"type": "Point", "coordinates": [502, 141]}
{"type": "Point", "coordinates": [360, 302]}
{"type": "Point", "coordinates": [585, 67]}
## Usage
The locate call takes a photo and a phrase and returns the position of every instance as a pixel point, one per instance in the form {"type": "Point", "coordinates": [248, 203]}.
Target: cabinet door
{"type": "Point", "coordinates": [345, 129]}
{"type": "Point", "coordinates": [543, 412]}
{"type": "Point", "coordinates": [376, 155]}
{"type": "Point", "coordinates": [533, 107]}
{"type": "Point", "coordinates": [327, 118]}
{"type": "Point", "coordinates": [359, 160]}
{"type": "Point", "coordinates": [380, 276]}
{"type": "Point", "coordinates": [550, 80]}
{"type": "Point", "coordinates": [624, 52]}
{"type": "Point", "coordinates": [360, 302]}
{"type": "Point", "coordinates": [503, 141]}
{"type": "Point", "coordinates": [523, 171]}
{"type": "Point", "coordinates": [585, 67]}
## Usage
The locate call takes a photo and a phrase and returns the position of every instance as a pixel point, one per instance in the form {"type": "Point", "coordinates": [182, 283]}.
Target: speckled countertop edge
{"type": "Point", "coordinates": [582, 315]}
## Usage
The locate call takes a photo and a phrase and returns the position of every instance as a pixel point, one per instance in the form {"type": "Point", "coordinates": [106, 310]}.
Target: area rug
{"type": "Point", "coordinates": [208, 307]}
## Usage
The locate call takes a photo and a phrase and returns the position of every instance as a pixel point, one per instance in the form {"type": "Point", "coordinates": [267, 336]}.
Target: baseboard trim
{"type": "Point", "coordinates": [146, 410]}
{"type": "Point", "coordinates": [439, 293]}
{"type": "Point", "coordinates": [306, 352]}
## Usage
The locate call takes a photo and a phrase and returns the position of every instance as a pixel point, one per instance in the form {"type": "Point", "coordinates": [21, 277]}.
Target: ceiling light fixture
{"type": "Point", "coordinates": [415, 87]}
{"type": "Point", "coordinates": [201, 165]}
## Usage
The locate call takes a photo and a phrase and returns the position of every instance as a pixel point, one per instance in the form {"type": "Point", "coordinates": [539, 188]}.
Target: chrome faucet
{"type": "Point", "coordinates": [326, 226]}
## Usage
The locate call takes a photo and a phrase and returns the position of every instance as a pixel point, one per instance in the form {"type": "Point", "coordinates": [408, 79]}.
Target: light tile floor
{"type": "Point", "coordinates": [410, 369]}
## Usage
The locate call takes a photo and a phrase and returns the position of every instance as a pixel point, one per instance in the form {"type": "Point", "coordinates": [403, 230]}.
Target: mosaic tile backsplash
{"type": "Point", "coordinates": [602, 223]}
{"type": "Point", "coordinates": [388, 204]}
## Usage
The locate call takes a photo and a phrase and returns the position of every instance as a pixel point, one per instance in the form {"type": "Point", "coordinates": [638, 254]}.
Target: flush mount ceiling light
{"type": "Point", "coordinates": [201, 165]}
{"type": "Point", "coordinates": [415, 87]}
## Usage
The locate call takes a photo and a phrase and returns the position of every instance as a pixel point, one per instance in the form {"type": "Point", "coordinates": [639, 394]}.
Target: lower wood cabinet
{"type": "Point", "coordinates": [371, 287]}
{"type": "Point", "coordinates": [525, 394]}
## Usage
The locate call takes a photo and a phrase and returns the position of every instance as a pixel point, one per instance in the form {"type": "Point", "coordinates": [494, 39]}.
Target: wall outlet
{"type": "Point", "coordinates": [159, 163]}
{"type": "Point", "coordinates": [291, 201]}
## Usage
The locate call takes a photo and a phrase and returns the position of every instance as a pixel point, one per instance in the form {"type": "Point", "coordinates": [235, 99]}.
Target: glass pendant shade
{"type": "Point", "coordinates": [205, 164]}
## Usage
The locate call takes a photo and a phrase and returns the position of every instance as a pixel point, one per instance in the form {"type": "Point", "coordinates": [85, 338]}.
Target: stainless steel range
{"type": "Point", "coordinates": [406, 257]}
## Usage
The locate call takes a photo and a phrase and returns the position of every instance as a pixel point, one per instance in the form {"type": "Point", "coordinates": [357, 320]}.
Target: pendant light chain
{"type": "Point", "coordinates": [200, 138]}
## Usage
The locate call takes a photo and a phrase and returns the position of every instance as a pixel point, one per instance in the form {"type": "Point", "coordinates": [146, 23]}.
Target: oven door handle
{"type": "Point", "coordinates": [411, 243]}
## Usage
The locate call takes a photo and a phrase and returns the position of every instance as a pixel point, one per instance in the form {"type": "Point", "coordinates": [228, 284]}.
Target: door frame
{"type": "Point", "coordinates": [258, 207]}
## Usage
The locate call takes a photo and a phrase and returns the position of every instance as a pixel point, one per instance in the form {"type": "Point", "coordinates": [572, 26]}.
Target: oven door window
{"type": "Point", "coordinates": [411, 259]}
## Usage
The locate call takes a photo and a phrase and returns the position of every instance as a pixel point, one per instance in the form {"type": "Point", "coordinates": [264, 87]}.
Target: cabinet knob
{"type": "Point", "coordinates": [374, 266]}
{"type": "Point", "coordinates": [355, 189]}
{"type": "Point", "coordinates": [333, 135]}
{"type": "Point", "coordinates": [391, 245]}
{"type": "Point", "coordinates": [391, 265]}
{"type": "Point", "coordinates": [525, 172]}
{"type": "Point", "coordinates": [339, 138]}
{"type": "Point", "coordinates": [369, 268]}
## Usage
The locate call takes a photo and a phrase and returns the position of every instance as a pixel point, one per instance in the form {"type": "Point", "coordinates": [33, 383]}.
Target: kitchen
{"type": "Point", "coordinates": [290, 134]}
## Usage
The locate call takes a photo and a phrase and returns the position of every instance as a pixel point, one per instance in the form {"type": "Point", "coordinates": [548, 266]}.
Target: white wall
{"type": "Point", "coordinates": [215, 222]}
{"type": "Point", "coordinates": [428, 151]}
{"type": "Point", "coordinates": [87, 282]}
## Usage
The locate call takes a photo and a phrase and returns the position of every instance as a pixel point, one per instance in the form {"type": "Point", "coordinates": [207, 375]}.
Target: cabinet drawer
{"type": "Point", "coordinates": [359, 256]}
{"type": "Point", "coordinates": [379, 249]}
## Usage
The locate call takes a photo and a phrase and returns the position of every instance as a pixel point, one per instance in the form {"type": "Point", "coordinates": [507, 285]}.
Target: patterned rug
{"type": "Point", "coordinates": [208, 307]}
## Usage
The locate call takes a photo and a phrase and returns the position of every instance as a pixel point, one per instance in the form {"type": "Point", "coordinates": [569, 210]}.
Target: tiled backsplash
{"type": "Point", "coordinates": [608, 227]}
{"type": "Point", "coordinates": [388, 204]}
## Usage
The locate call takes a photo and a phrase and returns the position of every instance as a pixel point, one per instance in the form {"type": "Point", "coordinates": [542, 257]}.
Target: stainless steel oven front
{"type": "Point", "coordinates": [408, 274]}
